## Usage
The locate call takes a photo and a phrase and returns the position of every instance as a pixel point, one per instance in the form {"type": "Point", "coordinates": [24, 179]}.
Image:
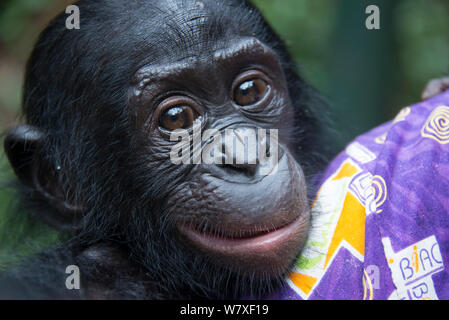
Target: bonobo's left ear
{"type": "Point", "coordinates": [23, 147]}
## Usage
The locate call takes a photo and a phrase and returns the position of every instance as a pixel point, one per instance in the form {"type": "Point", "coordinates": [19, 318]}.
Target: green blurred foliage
{"type": "Point", "coordinates": [423, 43]}
{"type": "Point", "coordinates": [20, 24]}
{"type": "Point", "coordinates": [368, 76]}
{"type": "Point", "coordinates": [306, 27]}
{"type": "Point", "coordinates": [20, 233]}
{"type": "Point", "coordinates": [326, 38]}
{"type": "Point", "coordinates": [14, 19]}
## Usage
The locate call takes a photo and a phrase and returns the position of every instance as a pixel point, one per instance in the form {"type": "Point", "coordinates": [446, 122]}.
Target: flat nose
{"type": "Point", "coordinates": [243, 152]}
{"type": "Point", "coordinates": [241, 149]}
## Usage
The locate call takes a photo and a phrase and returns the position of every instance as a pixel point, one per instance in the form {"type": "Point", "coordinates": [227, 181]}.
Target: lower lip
{"type": "Point", "coordinates": [260, 244]}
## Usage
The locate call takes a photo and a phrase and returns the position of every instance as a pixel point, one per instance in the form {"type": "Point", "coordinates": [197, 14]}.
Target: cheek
{"type": "Point", "coordinates": [287, 118]}
{"type": "Point", "coordinates": [283, 111]}
{"type": "Point", "coordinates": [194, 200]}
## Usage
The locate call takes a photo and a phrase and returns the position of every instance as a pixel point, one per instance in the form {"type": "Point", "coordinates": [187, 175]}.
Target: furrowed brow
{"type": "Point", "coordinates": [151, 73]}
{"type": "Point", "coordinates": [244, 47]}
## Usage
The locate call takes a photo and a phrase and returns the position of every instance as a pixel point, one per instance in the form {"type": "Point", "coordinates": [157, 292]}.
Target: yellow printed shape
{"type": "Point", "coordinates": [437, 125]}
{"type": "Point", "coordinates": [401, 116]}
{"type": "Point", "coordinates": [380, 191]}
{"type": "Point", "coordinates": [346, 171]}
{"type": "Point", "coordinates": [350, 227]}
{"type": "Point", "coordinates": [381, 139]}
{"type": "Point", "coordinates": [336, 184]}
{"type": "Point", "coordinates": [366, 279]}
{"type": "Point", "coordinates": [303, 281]}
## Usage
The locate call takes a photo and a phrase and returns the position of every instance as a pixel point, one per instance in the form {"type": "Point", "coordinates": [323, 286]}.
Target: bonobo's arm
{"type": "Point", "coordinates": [107, 272]}
{"type": "Point", "coordinates": [39, 277]}
{"type": "Point", "coordinates": [434, 87]}
{"type": "Point", "coordinates": [104, 269]}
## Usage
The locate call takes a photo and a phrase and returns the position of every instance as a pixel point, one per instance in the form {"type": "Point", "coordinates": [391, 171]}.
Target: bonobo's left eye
{"type": "Point", "coordinates": [177, 113]}
{"type": "Point", "coordinates": [250, 88]}
{"type": "Point", "coordinates": [177, 118]}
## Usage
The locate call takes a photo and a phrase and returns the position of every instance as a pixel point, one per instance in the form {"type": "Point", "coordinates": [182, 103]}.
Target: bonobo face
{"type": "Point", "coordinates": [233, 211]}
{"type": "Point", "coordinates": [110, 146]}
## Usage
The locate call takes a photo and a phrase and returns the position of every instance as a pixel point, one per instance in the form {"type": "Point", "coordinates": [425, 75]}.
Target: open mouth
{"type": "Point", "coordinates": [245, 242]}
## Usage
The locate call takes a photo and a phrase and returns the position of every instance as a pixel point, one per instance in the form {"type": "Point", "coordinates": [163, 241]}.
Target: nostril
{"type": "Point", "coordinates": [240, 151]}
{"type": "Point", "coordinates": [247, 168]}
{"type": "Point", "coordinates": [240, 163]}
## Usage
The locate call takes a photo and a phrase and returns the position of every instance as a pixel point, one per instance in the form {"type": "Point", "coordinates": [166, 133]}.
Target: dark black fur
{"type": "Point", "coordinates": [76, 91]}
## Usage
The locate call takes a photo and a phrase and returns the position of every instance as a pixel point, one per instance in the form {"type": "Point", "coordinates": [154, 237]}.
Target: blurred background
{"type": "Point", "coordinates": [367, 76]}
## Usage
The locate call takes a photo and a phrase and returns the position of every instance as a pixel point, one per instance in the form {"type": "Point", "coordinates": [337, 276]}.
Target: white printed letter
{"type": "Point", "coordinates": [373, 20]}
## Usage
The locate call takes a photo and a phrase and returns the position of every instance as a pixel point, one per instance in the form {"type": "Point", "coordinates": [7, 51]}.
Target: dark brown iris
{"type": "Point", "coordinates": [250, 92]}
{"type": "Point", "coordinates": [179, 117]}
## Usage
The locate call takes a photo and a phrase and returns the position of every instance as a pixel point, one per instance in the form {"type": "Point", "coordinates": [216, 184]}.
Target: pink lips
{"type": "Point", "coordinates": [259, 244]}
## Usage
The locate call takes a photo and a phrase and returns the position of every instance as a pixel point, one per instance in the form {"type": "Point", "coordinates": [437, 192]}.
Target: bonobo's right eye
{"type": "Point", "coordinates": [177, 118]}
{"type": "Point", "coordinates": [177, 113]}
{"type": "Point", "coordinates": [250, 88]}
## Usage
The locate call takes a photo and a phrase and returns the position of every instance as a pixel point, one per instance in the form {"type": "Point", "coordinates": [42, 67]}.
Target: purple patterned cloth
{"type": "Point", "coordinates": [382, 227]}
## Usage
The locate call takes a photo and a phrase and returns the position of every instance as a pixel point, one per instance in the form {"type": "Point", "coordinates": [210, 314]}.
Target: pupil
{"type": "Point", "coordinates": [246, 87]}
{"type": "Point", "coordinates": [174, 114]}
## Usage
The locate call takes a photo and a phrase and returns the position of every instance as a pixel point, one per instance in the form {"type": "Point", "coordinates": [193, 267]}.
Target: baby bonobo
{"type": "Point", "coordinates": [101, 105]}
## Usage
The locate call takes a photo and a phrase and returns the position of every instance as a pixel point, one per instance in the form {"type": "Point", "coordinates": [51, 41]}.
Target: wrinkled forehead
{"type": "Point", "coordinates": [242, 49]}
{"type": "Point", "coordinates": [186, 9]}
{"type": "Point", "coordinates": [179, 29]}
